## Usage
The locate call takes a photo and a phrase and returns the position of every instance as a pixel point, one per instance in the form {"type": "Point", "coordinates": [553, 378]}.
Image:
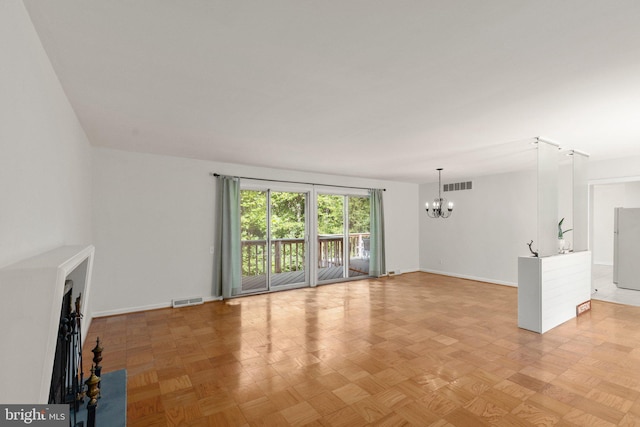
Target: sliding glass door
{"type": "Point", "coordinates": [343, 237]}
{"type": "Point", "coordinates": [331, 241]}
{"type": "Point", "coordinates": [359, 236]}
{"type": "Point", "coordinates": [273, 240]}
{"type": "Point", "coordinates": [253, 240]}
{"type": "Point", "coordinates": [287, 235]}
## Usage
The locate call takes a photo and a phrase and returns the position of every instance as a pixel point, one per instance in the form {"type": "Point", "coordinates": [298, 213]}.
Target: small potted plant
{"type": "Point", "coordinates": [562, 244]}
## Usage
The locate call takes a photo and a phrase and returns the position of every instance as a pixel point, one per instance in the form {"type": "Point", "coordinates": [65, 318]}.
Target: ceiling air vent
{"type": "Point", "coordinates": [457, 186]}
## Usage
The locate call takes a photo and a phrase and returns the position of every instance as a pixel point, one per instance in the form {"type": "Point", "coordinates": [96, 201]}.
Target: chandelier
{"type": "Point", "coordinates": [438, 210]}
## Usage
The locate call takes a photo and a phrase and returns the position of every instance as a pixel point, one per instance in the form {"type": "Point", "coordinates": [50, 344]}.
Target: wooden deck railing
{"type": "Point", "coordinates": [288, 254]}
{"type": "Point", "coordinates": [253, 257]}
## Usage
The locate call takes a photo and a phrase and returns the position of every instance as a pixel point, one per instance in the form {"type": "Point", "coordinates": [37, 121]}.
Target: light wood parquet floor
{"type": "Point", "coordinates": [415, 349]}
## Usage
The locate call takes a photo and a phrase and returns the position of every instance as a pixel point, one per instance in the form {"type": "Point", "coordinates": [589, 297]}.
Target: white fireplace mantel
{"type": "Point", "coordinates": [31, 294]}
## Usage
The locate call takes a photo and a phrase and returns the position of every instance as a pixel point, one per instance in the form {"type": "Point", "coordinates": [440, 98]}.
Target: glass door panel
{"type": "Point", "coordinates": [275, 239]}
{"type": "Point", "coordinates": [359, 235]}
{"type": "Point", "coordinates": [253, 235]}
{"type": "Point", "coordinates": [287, 236]}
{"type": "Point", "coordinates": [330, 232]}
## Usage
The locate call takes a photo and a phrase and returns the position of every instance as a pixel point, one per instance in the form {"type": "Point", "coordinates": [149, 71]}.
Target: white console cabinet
{"type": "Point", "coordinates": [550, 288]}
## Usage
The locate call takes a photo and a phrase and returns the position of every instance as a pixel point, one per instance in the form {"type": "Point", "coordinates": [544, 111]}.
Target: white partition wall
{"type": "Point", "coordinates": [551, 286]}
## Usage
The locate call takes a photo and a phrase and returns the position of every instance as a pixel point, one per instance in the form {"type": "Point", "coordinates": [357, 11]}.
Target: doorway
{"type": "Point", "coordinates": [605, 197]}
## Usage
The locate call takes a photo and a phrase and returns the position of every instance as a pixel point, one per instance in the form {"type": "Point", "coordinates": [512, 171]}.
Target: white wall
{"type": "Point", "coordinates": [489, 228]}
{"type": "Point", "coordinates": [153, 225]}
{"type": "Point", "coordinates": [492, 223]}
{"type": "Point", "coordinates": [627, 168]}
{"type": "Point", "coordinates": [632, 195]}
{"type": "Point", "coordinates": [45, 177]}
{"type": "Point", "coordinates": [613, 183]}
{"type": "Point", "coordinates": [604, 198]}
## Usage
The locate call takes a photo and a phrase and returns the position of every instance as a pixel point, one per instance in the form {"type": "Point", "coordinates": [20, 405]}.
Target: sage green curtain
{"type": "Point", "coordinates": [227, 271]}
{"type": "Point", "coordinates": [377, 265]}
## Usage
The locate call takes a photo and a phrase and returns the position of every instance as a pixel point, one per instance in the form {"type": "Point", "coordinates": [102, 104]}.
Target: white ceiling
{"type": "Point", "coordinates": [379, 89]}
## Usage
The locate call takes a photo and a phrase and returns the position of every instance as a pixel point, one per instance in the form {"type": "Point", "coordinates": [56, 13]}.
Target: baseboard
{"type": "Point", "coordinates": [128, 310]}
{"type": "Point", "coordinates": [476, 278]}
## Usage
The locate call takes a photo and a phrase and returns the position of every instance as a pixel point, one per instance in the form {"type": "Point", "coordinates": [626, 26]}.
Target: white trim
{"type": "Point", "coordinates": [312, 236]}
{"type": "Point", "coordinates": [256, 185]}
{"type": "Point", "coordinates": [477, 279]}
{"type": "Point", "coordinates": [339, 191]}
{"type": "Point", "coordinates": [546, 140]}
{"type": "Point", "coordinates": [618, 180]}
{"type": "Point", "coordinates": [129, 310]}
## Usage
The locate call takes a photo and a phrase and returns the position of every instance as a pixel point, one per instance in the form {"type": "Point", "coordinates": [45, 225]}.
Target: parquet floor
{"type": "Point", "coordinates": [416, 349]}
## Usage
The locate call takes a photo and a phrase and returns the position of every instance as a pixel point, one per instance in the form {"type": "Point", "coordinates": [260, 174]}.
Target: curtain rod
{"type": "Point", "coordinates": [297, 182]}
